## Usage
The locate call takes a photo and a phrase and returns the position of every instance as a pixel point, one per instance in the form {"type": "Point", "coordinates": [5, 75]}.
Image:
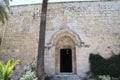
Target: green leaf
{"type": "Point", "coordinates": [6, 70]}
{"type": "Point", "coordinates": [1, 70]}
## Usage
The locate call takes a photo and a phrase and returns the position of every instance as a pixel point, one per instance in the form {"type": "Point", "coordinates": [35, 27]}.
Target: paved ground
{"type": "Point", "coordinates": [67, 77]}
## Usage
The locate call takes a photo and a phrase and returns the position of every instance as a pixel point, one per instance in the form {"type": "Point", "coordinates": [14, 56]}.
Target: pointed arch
{"type": "Point", "coordinates": [66, 32]}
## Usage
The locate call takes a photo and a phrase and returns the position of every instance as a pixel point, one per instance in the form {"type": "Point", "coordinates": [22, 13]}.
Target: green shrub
{"type": "Point", "coordinates": [91, 77]}
{"type": "Point", "coordinates": [99, 77]}
{"type": "Point", "coordinates": [104, 77]}
{"type": "Point", "coordinates": [6, 70]}
{"type": "Point", "coordinates": [29, 75]}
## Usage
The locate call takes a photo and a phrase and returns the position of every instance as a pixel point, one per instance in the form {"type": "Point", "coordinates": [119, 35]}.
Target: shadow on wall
{"type": "Point", "coordinates": [0, 40]}
{"type": "Point", "coordinates": [102, 66]}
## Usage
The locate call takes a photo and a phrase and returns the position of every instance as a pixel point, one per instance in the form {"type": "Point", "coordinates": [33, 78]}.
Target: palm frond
{"type": "Point", "coordinates": [3, 14]}
{"type": "Point", "coordinates": [4, 9]}
{"type": "Point", "coordinates": [1, 70]}
{"type": "Point", "coordinates": [6, 70]}
{"type": "Point", "coordinates": [7, 4]}
{"type": "Point", "coordinates": [9, 68]}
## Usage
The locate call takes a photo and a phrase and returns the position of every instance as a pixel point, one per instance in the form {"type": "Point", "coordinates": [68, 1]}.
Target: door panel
{"type": "Point", "coordinates": [65, 60]}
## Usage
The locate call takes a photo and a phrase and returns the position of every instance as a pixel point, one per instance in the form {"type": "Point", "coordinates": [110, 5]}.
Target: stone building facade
{"type": "Point", "coordinates": [73, 31]}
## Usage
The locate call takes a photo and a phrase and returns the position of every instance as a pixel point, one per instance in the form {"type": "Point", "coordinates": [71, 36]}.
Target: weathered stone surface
{"type": "Point", "coordinates": [94, 27]}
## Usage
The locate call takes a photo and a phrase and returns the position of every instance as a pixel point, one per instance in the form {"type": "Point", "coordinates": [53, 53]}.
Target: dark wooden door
{"type": "Point", "coordinates": [65, 60]}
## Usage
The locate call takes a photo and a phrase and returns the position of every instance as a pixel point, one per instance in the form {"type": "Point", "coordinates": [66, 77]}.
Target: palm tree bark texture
{"type": "Point", "coordinates": [41, 45]}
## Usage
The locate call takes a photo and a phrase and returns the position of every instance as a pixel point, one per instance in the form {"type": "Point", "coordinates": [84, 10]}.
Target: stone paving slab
{"type": "Point", "coordinates": [67, 77]}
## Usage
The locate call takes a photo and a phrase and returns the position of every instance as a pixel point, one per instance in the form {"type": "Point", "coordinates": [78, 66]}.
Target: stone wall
{"type": "Point", "coordinates": [97, 24]}
{"type": "Point", "coordinates": [21, 36]}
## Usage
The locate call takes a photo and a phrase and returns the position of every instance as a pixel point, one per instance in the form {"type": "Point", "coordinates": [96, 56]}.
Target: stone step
{"type": "Point", "coordinates": [66, 77]}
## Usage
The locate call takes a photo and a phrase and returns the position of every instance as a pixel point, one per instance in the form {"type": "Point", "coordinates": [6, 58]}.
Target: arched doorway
{"type": "Point", "coordinates": [65, 54]}
{"type": "Point", "coordinates": [65, 42]}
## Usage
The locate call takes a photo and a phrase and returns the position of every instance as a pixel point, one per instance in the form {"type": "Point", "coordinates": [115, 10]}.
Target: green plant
{"type": "Point", "coordinates": [29, 75]}
{"type": "Point", "coordinates": [4, 9]}
{"type": "Point", "coordinates": [91, 77]}
{"type": "Point", "coordinates": [104, 77]}
{"type": "Point", "coordinates": [6, 70]}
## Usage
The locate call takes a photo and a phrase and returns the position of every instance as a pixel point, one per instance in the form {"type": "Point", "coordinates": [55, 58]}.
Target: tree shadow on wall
{"type": "Point", "coordinates": [102, 66]}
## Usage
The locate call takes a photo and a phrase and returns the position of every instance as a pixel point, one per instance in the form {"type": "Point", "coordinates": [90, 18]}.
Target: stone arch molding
{"type": "Point", "coordinates": [61, 33]}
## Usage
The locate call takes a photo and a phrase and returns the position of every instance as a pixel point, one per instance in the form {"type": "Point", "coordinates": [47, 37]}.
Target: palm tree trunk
{"type": "Point", "coordinates": [41, 46]}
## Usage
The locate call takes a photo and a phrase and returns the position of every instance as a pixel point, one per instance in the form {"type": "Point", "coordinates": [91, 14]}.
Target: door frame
{"type": "Point", "coordinates": [74, 66]}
